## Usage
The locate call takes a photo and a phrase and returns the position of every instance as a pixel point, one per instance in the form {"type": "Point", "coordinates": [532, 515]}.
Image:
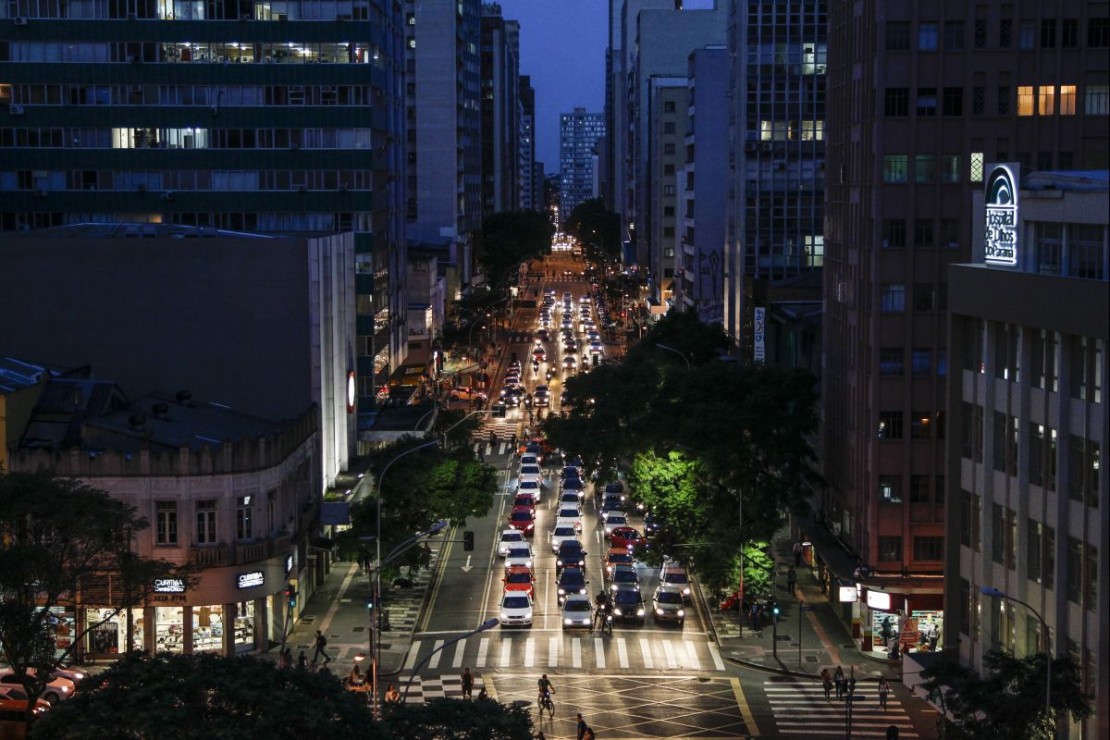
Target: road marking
{"type": "Point", "coordinates": [745, 710]}
{"type": "Point", "coordinates": [716, 654]}
{"type": "Point", "coordinates": [599, 652]}
{"type": "Point", "coordinates": [645, 649]}
{"type": "Point", "coordinates": [468, 567]}
{"type": "Point", "coordinates": [668, 652]}
{"type": "Point", "coordinates": [410, 660]}
{"type": "Point", "coordinates": [622, 652]}
{"type": "Point", "coordinates": [506, 652]}
{"type": "Point", "coordinates": [483, 651]}
{"type": "Point", "coordinates": [692, 655]}
{"type": "Point", "coordinates": [433, 660]}
{"type": "Point", "coordinates": [529, 652]}
{"type": "Point", "coordinates": [459, 648]}
{"type": "Point", "coordinates": [554, 645]}
{"type": "Point", "coordinates": [576, 653]}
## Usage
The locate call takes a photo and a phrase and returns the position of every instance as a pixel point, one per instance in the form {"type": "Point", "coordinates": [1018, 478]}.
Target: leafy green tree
{"type": "Point", "coordinates": [1008, 702]}
{"type": "Point", "coordinates": [207, 697]}
{"type": "Point", "coordinates": [58, 535]}
{"type": "Point", "coordinates": [509, 238]}
{"type": "Point", "coordinates": [596, 228]}
{"type": "Point", "coordinates": [455, 719]}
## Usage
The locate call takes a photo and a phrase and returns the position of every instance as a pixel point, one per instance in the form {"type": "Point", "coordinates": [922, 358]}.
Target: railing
{"type": "Point", "coordinates": [239, 553]}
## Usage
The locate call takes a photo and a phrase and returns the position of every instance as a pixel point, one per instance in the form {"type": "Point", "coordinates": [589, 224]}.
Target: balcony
{"type": "Point", "coordinates": [239, 553]}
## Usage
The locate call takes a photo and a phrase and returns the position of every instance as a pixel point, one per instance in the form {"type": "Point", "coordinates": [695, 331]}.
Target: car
{"type": "Point", "coordinates": [467, 394]}
{"type": "Point", "coordinates": [530, 472]}
{"type": "Point", "coordinates": [613, 520]}
{"type": "Point", "coordinates": [614, 488]}
{"type": "Point", "coordinates": [570, 516]}
{"type": "Point", "coordinates": [628, 537]}
{"type": "Point", "coordinates": [509, 537]}
{"type": "Point", "coordinates": [529, 458]}
{"type": "Point", "coordinates": [568, 499]}
{"type": "Point", "coordinates": [570, 472]}
{"type": "Point", "coordinates": [512, 396]}
{"type": "Point", "coordinates": [561, 534]}
{"type": "Point", "coordinates": [520, 578]}
{"type": "Point", "coordinates": [571, 553]}
{"type": "Point", "coordinates": [57, 689]}
{"type": "Point", "coordinates": [611, 504]}
{"type": "Point", "coordinates": [542, 396]}
{"type": "Point", "coordinates": [13, 705]}
{"type": "Point", "coordinates": [651, 525]}
{"type": "Point", "coordinates": [516, 610]}
{"type": "Point", "coordinates": [572, 580]}
{"type": "Point", "coordinates": [570, 362]}
{"type": "Point", "coordinates": [576, 485]}
{"type": "Point", "coordinates": [519, 554]}
{"type": "Point", "coordinates": [668, 605]}
{"type": "Point", "coordinates": [674, 574]}
{"type": "Point", "coordinates": [530, 487]}
{"type": "Point", "coordinates": [73, 674]}
{"type": "Point", "coordinates": [539, 354]}
{"type": "Point", "coordinates": [617, 556]}
{"type": "Point", "coordinates": [628, 604]}
{"type": "Point", "coordinates": [524, 499]}
{"type": "Point", "coordinates": [578, 611]}
{"type": "Point", "coordinates": [623, 575]}
{"type": "Point", "coordinates": [596, 348]}
{"type": "Point", "coordinates": [523, 519]}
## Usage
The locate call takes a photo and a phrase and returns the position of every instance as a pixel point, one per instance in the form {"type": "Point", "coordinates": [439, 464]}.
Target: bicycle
{"type": "Point", "coordinates": [545, 702]}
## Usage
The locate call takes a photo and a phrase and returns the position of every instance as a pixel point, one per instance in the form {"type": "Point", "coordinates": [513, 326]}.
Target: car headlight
{"type": "Point", "coordinates": [504, 616]}
{"type": "Point", "coordinates": [617, 611]}
{"type": "Point", "coordinates": [559, 563]}
{"type": "Point", "coordinates": [659, 612]}
{"type": "Point", "coordinates": [686, 591]}
{"type": "Point", "coordinates": [568, 620]}
{"type": "Point", "coordinates": [640, 612]}
{"type": "Point", "coordinates": [562, 592]}
{"type": "Point", "coordinates": [682, 612]}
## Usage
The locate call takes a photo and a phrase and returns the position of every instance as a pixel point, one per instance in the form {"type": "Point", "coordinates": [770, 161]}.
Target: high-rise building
{"type": "Point", "coordinates": [247, 116]}
{"type": "Point", "coordinates": [667, 109]}
{"type": "Point", "coordinates": [776, 215]}
{"type": "Point", "coordinates": [1028, 496]}
{"type": "Point", "coordinates": [920, 96]}
{"type": "Point", "coordinates": [527, 179]}
{"type": "Point", "coordinates": [579, 133]}
{"type": "Point", "coordinates": [500, 54]}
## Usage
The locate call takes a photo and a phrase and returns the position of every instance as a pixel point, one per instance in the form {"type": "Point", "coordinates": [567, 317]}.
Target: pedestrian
{"type": "Point", "coordinates": [826, 682]}
{"type": "Point", "coordinates": [392, 695]}
{"type": "Point", "coordinates": [321, 643]}
{"type": "Point", "coordinates": [797, 554]}
{"type": "Point", "coordinates": [885, 630]}
{"type": "Point", "coordinates": [512, 441]}
{"type": "Point", "coordinates": [302, 661]}
{"type": "Point", "coordinates": [467, 683]}
{"type": "Point", "coordinates": [582, 727]}
{"type": "Point", "coordinates": [286, 658]}
{"type": "Point", "coordinates": [884, 692]}
{"type": "Point", "coordinates": [791, 580]}
{"type": "Point", "coordinates": [838, 679]}
{"type": "Point", "coordinates": [363, 559]}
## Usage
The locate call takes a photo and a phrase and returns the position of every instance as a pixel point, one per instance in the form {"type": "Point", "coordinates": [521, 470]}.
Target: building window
{"type": "Point", "coordinates": [1025, 100]}
{"type": "Point", "coordinates": [953, 101]}
{"type": "Point", "coordinates": [668, 127]}
{"type": "Point", "coordinates": [925, 168]}
{"type": "Point", "coordinates": [978, 100]}
{"type": "Point", "coordinates": [1086, 369]}
{"type": "Point", "coordinates": [668, 169]}
{"type": "Point", "coordinates": [897, 101]}
{"type": "Point", "coordinates": [972, 438]}
{"type": "Point", "coordinates": [1090, 568]}
{"type": "Point", "coordinates": [926, 101]}
{"type": "Point", "coordinates": [949, 169]}
{"type": "Point", "coordinates": [998, 529]}
{"type": "Point", "coordinates": [1067, 100]}
{"type": "Point", "coordinates": [1046, 100]}
{"type": "Point", "coordinates": [890, 489]}
{"type": "Point", "coordinates": [1027, 35]}
{"type": "Point", "coordinates": [963, 611]}
{"type": "Point", "coordinates": [1042, 456]}
{"type": "Point", "coordinates": [1004, 100]}
{"type": "Point", "coordinates": [668, 190]}
{"type": "Point", "coordinates": [1005, 33]}
{"type": "Point", "coordinates": [923, 232]}
{"type": "Point", "coordinates": [165, 513]}
{"type": "Point", "coordinates": [928, 548]}
{"type": "Point", "coordinates": [1048, 33]}
{"type": "Point", "coordinates": [1096, 100]}
{"type": "Point", "coordinates": [938, 486]}
{"type": "Point", "coordinates": [668, 148]}
{"type": "Point", "coordinates": [893, 297]}
{"type": "Point", "coordinates": [1082, 573]}
{"type": "Point", "coordinates": [894, 232]}
{"type": "Point", "coordinates": [896, 167]}
{"type": "Point", "coordinates": [953, 35]}
{"type": "Point", "coordinates": [921, 361]}
{"type": "Point", "coordinates": [890, 549]}
{"type": "Point", "coordinates": [244, 516]}
{"type": "Point", "coordinates": [897, 36]}
{"type": "Point", "coordinates": [1098, 33]}
{"type": "Point", "coordinates": [1005, 443]}
{"type": "Point", "coordinates": [927, 37]}
{"type": "Point", "coordinates": [975, 167]}
{"type": "Point", "coordinates": [1045, 359]}
{"type": "Point", "coordinates": [1083, 465]}
{"type": "Point", "coordinates": [1085, 251]}
{"type": "Point", "coordinates": [890, 361]}
{"type": "Point", "coordinates": [1007, 362]}
{"type": "Point", "coordinates": [1048, 247]}
{"type": "Point", "coordinates": [1069, 33]}
{"type": "Point", "coordinates": [970, 531]}
{"type": "Point", "coordinates": [919, 489]}
{"type": "Point", "coordinates": [668, 106]}
{"type": "Point", "coordinates": [923, 295]}
{"type": "Point", "coordinates": [890, 425]}
{"type": "Point", "coordinates": [206, 522]}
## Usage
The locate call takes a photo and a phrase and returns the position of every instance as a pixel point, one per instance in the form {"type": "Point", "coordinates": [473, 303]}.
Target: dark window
{"type": "Point", "coordinates": [923, 297]}
{"type": "Point", "coordinates": [953, 101]}
{"type": "Point", "coordinates": [953, 35]}
{"type": "Point", "coordinates": [890, 361]}
{"type": "Point", "coordinates": [1042, 456]}
{"type": "Point", "coordinates": [1005, 33]}
{"type": "Point", "coordinates": [890, 489]}
{"type": "Point", "coordinates": [978, 100]}
{"type": "Point", "coordinates": [890, 549]}
{"type": "Point", "coordinates": [897, 101]}
{"type": "Point", "coordinates": [668, 127]}
{"type": "Point", "coordinates": [897, 36]}
{"type": "Point", "coordinates": [668, 107]}
{"type": "Point", "coordinates": [1027, 35]}
{"type": "Point", "coordinates": [890, 425]}
{"type": "Point", "coordinates": [923, 232]}
{"type": "Point", "coordinates": [892, 297]}
{"type": "Point", "coordinates": [926, 101]}
{"type": "Point", "coordinates": [919, 489]}
{"type": "Point", "coordinates": [998, 527]}
{"type": "Point", "coordinates": [972, 440]}
{"type": "Point", "coordinates": [1083, 466]}
{"type": "Point", "coordinates": [1004, 100]}
{"type": "Point", "coordinates": [1098, 33]}
{"type": "Point", "coordinates": [1069, 33]}
{"type": "Point", "coordinates": [921, 362]}
{"type": "Point", "coordinates": [927, 37]}
{"type": "Point", "coordinates": [894, 232]}
{"type": "Point", "coordinates": [969, 526]}
{"type": "Point", "coordinates": [166, 515]}
{"type": "Point", "coordinates": [928, 548]}
{"type": "Point", "coordinates": [1048, 33]}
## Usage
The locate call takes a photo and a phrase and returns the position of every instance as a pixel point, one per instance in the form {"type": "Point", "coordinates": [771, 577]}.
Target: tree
{"type": "Point", "coordinates": [207, 697]}
{"type": "Point", "coordinates": [455, 719]}
{"type": "Point", "coordinates": [1008, 702]}
{"type": "Point", "coordinates": [60, 535]}
{"type": "Point", "coordinates": [597, 229]}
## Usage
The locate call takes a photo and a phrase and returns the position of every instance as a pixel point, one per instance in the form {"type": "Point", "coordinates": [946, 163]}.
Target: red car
{"type": "Point", "coordinates": [524, 499]}
{"type": "Point", "coordinates": [524, 519]}
{"type": "Point", "coordinates": [628, 538]}
{"type": "Point", "coordinates": [519, 578]}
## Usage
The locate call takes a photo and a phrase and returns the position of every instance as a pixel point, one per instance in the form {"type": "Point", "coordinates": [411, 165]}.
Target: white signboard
{"type": "Point", "coordinates": [1000, 238]}
{"type": "Point", "coordinates": [760, 330]}
{"type": "Point", "coordinates": [878, 600]}
{"type": "Point", "coordinates": [250, 580]}
{"type": "Point", "coordinates": [169, 585]}
{"type": "Point", "coordinates": [847, 594]}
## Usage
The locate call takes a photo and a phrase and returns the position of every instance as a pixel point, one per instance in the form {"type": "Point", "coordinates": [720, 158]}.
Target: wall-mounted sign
{"type": "Point", "coordinates": [350, 391]}
{"type": "Point", "coordinates": [760, 330]}
{"type": "Point", "coordinates": [1000, 242]}
{"type": "Point", "coordinates": [250, 580]}
{"type": "Point", "coordinates": [169, 585]}
{"type": "Point", "coordinates": [878, 600]}
{"type": "Point", "coordinates": [288, 564]}
{"type": "Point", "coordinates": [847, 594]}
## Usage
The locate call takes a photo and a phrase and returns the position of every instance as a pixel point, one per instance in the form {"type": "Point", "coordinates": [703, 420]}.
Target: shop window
{"type": "Point", "coordinates": [890, 549]}
{"type": "Point", "coordinates": [890, 489]}
{"type": "Point", "coordinates": [890, 425]}
{"type": "Point", "coordinates": [206, 522]}
{"type": "Point", "coordinates": [890, 361]}
{"type": "Point", "coordinates": [165, 513]}
{"type": "Point", "coordinates": [928, 548]}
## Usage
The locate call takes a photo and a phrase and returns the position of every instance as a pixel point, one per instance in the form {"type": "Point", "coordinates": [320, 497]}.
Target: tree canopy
{"type": "Point", "coordinates": [456, 719]}
{"type": "Point", "coordinates": [596, 228]}
{"type": "Point", "coordinates": [512, 237]}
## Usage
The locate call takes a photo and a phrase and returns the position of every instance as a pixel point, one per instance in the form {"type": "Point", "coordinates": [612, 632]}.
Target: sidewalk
{"type": "Point", "coordinates": [824, 640]}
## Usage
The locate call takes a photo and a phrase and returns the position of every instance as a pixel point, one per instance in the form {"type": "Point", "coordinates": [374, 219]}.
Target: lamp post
{"type": "Point", "coordinates": [470, 336]}
{"type": "Point", "coordinates": [672, 349]}
{"type": "Point", "coordinates": [446, 431]}
{"type": "Point", "coordinates": [376, 623]}
{"type": "Point", "coordinates": [488, 624]}
{"type": "Point", "coordinates": [992, 591]}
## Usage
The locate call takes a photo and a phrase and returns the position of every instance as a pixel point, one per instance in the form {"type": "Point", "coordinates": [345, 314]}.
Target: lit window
{"type": "Point", "coordinates": [976, 174]}
{"type": "Point", "coordinates": [1067, 100]}
{"type": "Point", "coordinates": [1025, 100]}
{"type": "Point", "coordinates": [895, 168]}
{"type": "Point", "coordinates": [1046, 97]}
{"type": "Point", "coordinates": [1096, 101]}
{"type": "Point", "coordinates": [927, 37]}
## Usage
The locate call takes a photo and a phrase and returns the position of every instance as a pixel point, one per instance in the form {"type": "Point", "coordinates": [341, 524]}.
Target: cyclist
{"type": "Point", "coordinates": [546, 689]}
{"type": "Point", "coordinates": [602, 612]}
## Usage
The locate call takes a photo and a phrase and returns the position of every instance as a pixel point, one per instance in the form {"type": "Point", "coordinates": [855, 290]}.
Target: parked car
{"type": "Point", "coordinates": [57, 689]}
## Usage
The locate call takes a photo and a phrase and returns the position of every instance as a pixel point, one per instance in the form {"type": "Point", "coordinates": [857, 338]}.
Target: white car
{"type": "Point", "coordinates": [58, 689]}
{"type": "Point", "coordinates": [562, 533]}
{"type": "Point", "coordinates": [614, 520]}
{"type": "Point", "coordinates": [578, 611]}
{"type": "Point", "coordinates": [516, 609]}
{"type": "Point", "coordinates": [529, 458]}
{"type": "Point", "coordinates": [568, 516]}
{"type": "Point", "coordinates": [519, 554]}
{"type": "Point", "coordinates": [531, 487]}
{"type": "Point", "coordinates": [570, 499]}
{"type": "Point", "coordinates": [530, 472]}
{"type": "Point", "coordinates": [509, 537]}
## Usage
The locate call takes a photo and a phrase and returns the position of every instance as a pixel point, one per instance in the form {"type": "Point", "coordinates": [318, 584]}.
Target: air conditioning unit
{"type": "Point", "coordinates": [768, 146]}
{"type": "Point", "coordinates": [20, 20]}
{"type": "Point", "coordinates": [16, 110]}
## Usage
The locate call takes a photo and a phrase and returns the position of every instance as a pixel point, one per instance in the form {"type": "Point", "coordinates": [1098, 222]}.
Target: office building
{"type": "Point", "coordinates": [1027, 495]}
{"type": "Point", "coordinates": [500, 111]}
{"type": "Point", "coordinates": [667, 111]}
{"type": "Point", "coordinates": [528, 200]}
{"type": "Point", "coordinates": [579, 133]}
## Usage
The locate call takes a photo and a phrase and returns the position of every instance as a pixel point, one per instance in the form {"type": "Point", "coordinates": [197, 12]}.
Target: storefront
{"type": "Point", "coordinates": [902, 623]}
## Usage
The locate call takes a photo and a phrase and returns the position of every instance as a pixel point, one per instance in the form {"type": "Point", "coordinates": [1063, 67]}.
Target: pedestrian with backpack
{"type": "Point", "coordinates": [321, 643]}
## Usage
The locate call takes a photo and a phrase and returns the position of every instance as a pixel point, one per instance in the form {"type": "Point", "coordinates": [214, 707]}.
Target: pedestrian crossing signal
{"type": "Point", "coordinates": [291, 594]}
{"type": "Point", "coordinates": [775, 609]}
{"type": "Point", "coordinates": [468, 541]}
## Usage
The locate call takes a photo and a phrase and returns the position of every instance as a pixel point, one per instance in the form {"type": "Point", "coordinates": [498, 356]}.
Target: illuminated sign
{"type": "Point", "coordinates": [250, 580]}
{"type": "Point", "coordinates": [350, 391]}
{"type": "Point", "coordinates": [288, 564]}
{"type": "Point", "coordinates": [1000, 244]}
{"type": "Point", "coordinates": [878, 600]}
{"type": "Point", "coordinates": [847, 594]}
{"type": "Point", "coordinates": [169, 585]}
{"type": "Point", "coordinates": [759, 353]}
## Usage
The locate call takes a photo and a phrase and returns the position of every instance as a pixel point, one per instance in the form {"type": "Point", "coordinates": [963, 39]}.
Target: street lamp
{"type": "Point", "coordinates": [992, 591]}
{"type": "Point", "coordinates": [470, 336]}
{"type": "Point", "coordinates": [488, 624]}
{"type": "Point", "coordinates": [446, 431]}
{"type": "Point", "coordinates": [672, 349]}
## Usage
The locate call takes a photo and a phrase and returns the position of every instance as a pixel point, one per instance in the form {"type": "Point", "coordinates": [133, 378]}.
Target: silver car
{"type": "Point", "coordinates": [578, 611]}
{"type": "Point", "coordinates": [509, 537]}
{"type": "Point", "coordinates": [668, 605]}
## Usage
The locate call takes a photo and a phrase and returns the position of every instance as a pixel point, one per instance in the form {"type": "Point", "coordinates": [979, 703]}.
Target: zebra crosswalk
{"type": "Point", "coordinates": [569, 651]}
{"type": "Point", "coordinates": [800, 709]}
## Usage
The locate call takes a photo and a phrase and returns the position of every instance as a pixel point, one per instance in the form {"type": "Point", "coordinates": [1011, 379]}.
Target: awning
{"type": "Point", "coordinates": [832, 552]}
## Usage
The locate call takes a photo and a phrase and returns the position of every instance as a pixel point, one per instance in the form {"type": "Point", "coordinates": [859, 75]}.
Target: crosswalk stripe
{"type": "Point", "coordinates": [692, 655]}
{"type": "Point", "coordinates": [645, 650]}
{"type": "Point", "coordinates": [530, 652]}
{"type": "Point", "coordinates": [622, 652]}
{"type": "Point", "coordinates": [414, 650]}
{"type": "Point", "coordinates": [576, 652]}
{"type": "Point", "coordinates": [805, 712]}
{"type": "Point", "coordinates": [460, 646]}
{"type": "Point", "coordinates": [554, 647]}
{"type": "Point", "coordinates": [483, 651]}
{"type": "Point", "coordinates": [716, 655]}
{"type": "Point", "coordinates": [668, 652]}
{"type": "Point", "coordinates": [506, 652]}
{"type": "Point", "coordinates": [433, 662]}
{"type": "Point", "coordinates": [599, 652]}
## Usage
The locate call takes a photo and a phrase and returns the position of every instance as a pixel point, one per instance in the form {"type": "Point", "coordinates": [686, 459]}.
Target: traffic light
{"type": "Point", "coordinates": [369, 602]}
{"type": "Point", "coordinates": [775, 608]}
{"type": "Point", "coordinates": [291, 595]}
{"type": "Point", "coordinates": [468, 541]}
